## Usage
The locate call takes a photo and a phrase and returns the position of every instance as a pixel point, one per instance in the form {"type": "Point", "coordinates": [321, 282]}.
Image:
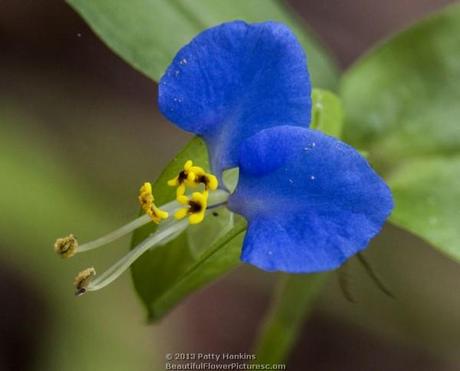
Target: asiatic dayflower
{"type": "Point", "coordinates": [311, 201]}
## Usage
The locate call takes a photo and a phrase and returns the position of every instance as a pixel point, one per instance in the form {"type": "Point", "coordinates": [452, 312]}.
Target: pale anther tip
{"type": "Point", "coordinates": [66, 247]}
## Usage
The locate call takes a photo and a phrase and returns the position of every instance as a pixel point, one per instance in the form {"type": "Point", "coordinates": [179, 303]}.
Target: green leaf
{"type": "Point", "coordinates": [222, 256]}
{"type": "Point", "coordinates": [165, 275]}
{"type": "Point", "coordinates": [401, 105]}
{"type": "Point", "coordinates": [292, 302]}
{"type": "Point", "coordinates": [220, 222]}
{"type": "Point", "coordinates": [148, 33]}
{"type": "Point", "coordinates": [427, 194]}
{"type": "Point", "coordinates": [327, 113]}
{"type": "Point", "coordinates": [401, 100]}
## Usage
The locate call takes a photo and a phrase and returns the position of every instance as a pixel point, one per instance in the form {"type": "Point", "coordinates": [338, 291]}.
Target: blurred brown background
{"type": "Point", "coordinates": [77, 124]}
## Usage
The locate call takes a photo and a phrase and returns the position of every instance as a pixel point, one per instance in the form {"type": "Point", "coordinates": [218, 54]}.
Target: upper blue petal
{"type": "Point", "coordinates": [311, 201]}
{"type": "Point", "coordinates": [233, 80]}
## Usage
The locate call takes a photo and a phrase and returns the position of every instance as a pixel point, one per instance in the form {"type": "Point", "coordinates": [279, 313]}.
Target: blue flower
{"type": "Point", "coordinates": [311, 201]}
{"type": "Point", "coordinates": [233, 80]}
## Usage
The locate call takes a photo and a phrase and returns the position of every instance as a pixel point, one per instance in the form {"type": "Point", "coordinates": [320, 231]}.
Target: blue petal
{"type": "Point", "coordinates": [311, 200]}
{"type": "Point", "coordinates": [233, 80]}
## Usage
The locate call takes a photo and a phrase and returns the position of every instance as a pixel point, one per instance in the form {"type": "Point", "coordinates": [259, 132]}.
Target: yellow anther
{"type": "Point", "coordinates": [66, 246]}
{"type": "Point", "coordinates": [202, 177]}
{"type": "Point", "coordinates": [83, 279]}
{"type": "Point", "coordinates": [192, 176]}
{"type": "Point", "coordinates": [146, 200]}
{"type": "Point", "coordinates": [195, 207]}
{"type": "Point", "coordinates": [185, 177]}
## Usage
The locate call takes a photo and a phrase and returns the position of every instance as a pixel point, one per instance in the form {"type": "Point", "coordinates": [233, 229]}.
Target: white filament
{"type": "Point", "coordinates": [215, 198]}
{"type": "Point", "coordinates": [166, 232]}
{"type": "Point", "coordinates": [123, 264]}
{"type": "Point", "coordinates": [170, 207]}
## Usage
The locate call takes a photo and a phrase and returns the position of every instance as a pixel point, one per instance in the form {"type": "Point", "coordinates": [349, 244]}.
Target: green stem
{"type": "Point", "coordinates": [292, 303]}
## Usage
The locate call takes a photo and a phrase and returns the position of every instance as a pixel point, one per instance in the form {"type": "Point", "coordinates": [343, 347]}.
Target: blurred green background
{"type": "Point", "coordinates": [79, 131]}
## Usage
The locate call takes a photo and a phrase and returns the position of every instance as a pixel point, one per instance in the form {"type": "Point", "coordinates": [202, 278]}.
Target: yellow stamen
{"type": "Point", "coordinates": [83, 279]}
{"type": "Point", "coordinates": [202, 177]}
{"type": "Point", "coordinates": [67, 246]}
{"type": "Point", "coordinates": [195, 207]}
{"type": "Point", "coordinates": [185, 177]}
{"type": "Point", "coordinates": [192, 176]}
{"type": "Point", "coordinates": [146, 200]}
